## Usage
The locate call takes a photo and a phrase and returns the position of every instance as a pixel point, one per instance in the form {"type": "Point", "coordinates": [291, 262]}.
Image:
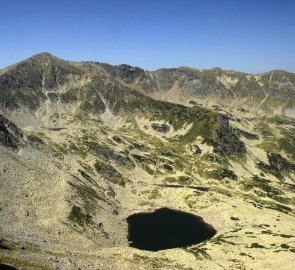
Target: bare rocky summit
{"type": "Point", "coordinates": [85, 145]}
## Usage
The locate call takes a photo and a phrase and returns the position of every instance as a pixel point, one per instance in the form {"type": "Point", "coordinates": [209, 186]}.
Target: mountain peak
{"type": "Point", "coordinates": [43, 54]}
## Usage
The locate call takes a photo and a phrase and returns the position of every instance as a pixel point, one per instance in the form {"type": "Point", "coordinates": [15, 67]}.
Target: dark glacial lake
{"type": "Point", "coordinates": [6, 267]}
{"type": "Point", "coordinates": [166, 228]}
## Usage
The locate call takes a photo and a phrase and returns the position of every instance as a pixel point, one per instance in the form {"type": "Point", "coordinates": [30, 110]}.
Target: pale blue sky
{"type": "Point", "coordinates": [246, 35]}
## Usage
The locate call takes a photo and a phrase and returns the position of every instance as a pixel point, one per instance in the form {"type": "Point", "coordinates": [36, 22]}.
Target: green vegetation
{"type": "Point", "coordinates": [256, 245]}
{"type": "Point", "coordinates": [21, 263]}
{"type": "Point", "coordinates": [268, 189]}
{"type": "Point", "coordinates": [155, 263]}
{"type": "Point", "coordinates": [277, 165]}
{"type": "Point", "coordinates": [77, 216]}
{"type": "Point", "coordinates": [181, 180]}
{"type": "Point", "coordinates": [109, 173]}
{"type": "Point", "coordinates": [222, 173]}
{"type": "Point", "coordinates": [204, 127]}
{"type": "Point", "coordinates": [90, 196]}
{"type": "Point", "coordinates": [249, 135]}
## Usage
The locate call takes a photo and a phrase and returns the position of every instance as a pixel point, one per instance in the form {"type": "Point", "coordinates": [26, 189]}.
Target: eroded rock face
{"type": "Point", "coordinates": [107, 154]}
{"type": "Point", "coordinates": [10, 135]}
{"type": "Point", "coordinates": [228, 139]}
{"type": "Point", "coordinates": [166, 228]}
{"type": "Point", "coordinates": [160, 127]}
{"type": "Point", "coordinates": [277, 165]}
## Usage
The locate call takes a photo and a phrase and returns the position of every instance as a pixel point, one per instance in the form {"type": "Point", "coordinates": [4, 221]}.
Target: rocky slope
{"type": "Point", "coordinates": [84, 145]}
{"type": "Point", "coordinates": [271, 92]}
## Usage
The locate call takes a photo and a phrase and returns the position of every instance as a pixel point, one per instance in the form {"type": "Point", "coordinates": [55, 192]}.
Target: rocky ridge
{"type": "Point", "coordinates": [271, 92]}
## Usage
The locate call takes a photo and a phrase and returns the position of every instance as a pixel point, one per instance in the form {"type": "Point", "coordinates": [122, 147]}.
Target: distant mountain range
{"type": "Point", "coordinates": [271, 92]}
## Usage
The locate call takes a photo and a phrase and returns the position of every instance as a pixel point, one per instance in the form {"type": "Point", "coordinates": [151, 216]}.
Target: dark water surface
{"type": "Point", "coordinates": [166, 228]}
{"type": "Point", "coordinates": [6, 267]}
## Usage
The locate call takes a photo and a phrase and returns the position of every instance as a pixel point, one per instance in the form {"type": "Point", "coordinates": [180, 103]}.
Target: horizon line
{"type": "Point", "coordinates": [149, 70]}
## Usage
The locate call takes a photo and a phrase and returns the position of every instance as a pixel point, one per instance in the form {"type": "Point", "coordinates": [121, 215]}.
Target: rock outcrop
{"type": "Point", "coordinates": [10, 135]}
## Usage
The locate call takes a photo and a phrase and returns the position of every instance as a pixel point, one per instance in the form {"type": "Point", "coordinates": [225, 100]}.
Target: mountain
{"type": "Point", "coordinates": [271, 92]}
{"type": "Point", "coordinates": [85, 146]}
